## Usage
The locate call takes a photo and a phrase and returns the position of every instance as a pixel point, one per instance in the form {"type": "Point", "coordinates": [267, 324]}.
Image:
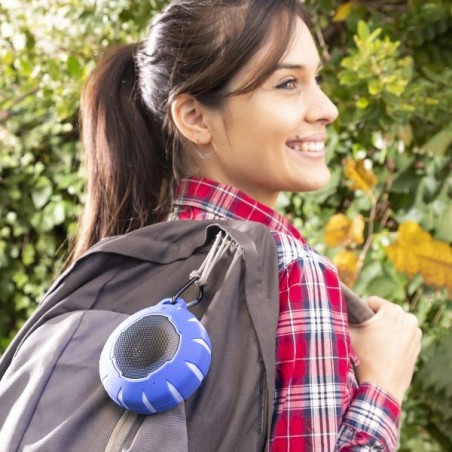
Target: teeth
{"type": "Point", "coordinates": [315, 146]}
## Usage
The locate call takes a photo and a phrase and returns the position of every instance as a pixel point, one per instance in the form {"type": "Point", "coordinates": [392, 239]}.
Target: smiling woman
{"type": "Point", "coordinates": [216, 112]}
{"type": "Point", "coordinates": [288, 114]}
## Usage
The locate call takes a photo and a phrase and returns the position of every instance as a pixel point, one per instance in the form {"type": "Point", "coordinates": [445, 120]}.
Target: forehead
{"type": "Point", "coordinates": [302, 48]}
{"type": "Point", "coordinates": [301, 51]}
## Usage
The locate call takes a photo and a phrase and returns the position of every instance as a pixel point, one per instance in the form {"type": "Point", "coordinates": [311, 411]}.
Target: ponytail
{"type": "Point", "coordinates": [124, 153]}
{"type": "Point", "coordinates": [134, 153]}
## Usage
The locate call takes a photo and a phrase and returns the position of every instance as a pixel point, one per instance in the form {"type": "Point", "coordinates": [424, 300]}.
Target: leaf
{"type": "Point", "coordinates": [28, 254]}
{"type": "Point", "coordinates": [342, 231]}
{"type": "Point", "coordinates": [360, 176]}
{"type": "Point", "coordinates": [54, 214]}
{"type": "Point", "coordinates": [375, 87]}
{"type": "Point", "coordinates": [405, 133]}
{"type": "Point", "coordinates": [342, 12]}
{"type": "Point", "coordinates": [405, 181]}
{"type": "Point", "coordinates": [439, 143]}
{"type": "Point", "coordinates": [347, 78]}
{"type": "Point", "coordinates": [383, 286]}
{"type": "Point", "coordinates": [363, 30]}
{"type": "Point", "coordinates": [356, 232]}
{"type": "Point", "coordinates": [362, 103]}
{"type": "Point", "coordinates": [444, 224]}
{"type": "Point", "coordinates": [41, 192]}
{"type": "Point", "coordinates": [336, 231]}
{"type": "Point", "coordinates": [347, 266]}
{"type": "Point", "coordinates": [75, 67]}
{"type": "Point", "coordinates": [374, 35]}
{"type": "Point", "coordinates": [433, 379]}
{"type": "Point", "coordinates": [368, 272]}
{"type": "Point", "coordinates": [416, 252]}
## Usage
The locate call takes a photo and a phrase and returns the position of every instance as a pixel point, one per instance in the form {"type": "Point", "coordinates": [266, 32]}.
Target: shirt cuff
{"type": "Point", "coordinates": [374, 413]}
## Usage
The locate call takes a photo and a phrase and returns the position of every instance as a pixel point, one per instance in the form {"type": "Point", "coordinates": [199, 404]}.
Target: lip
{"type": "Point", "coordinates": [314, 156]}
{"type": "Point", "coordinates": [318, 137]}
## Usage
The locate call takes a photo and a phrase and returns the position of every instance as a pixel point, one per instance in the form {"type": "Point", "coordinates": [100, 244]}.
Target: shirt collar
{"type": "Point", "coordinates": [227, 202]}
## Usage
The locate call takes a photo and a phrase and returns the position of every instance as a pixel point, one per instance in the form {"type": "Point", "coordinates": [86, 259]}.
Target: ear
{"type": "Point", "coordinates": [189, 116]}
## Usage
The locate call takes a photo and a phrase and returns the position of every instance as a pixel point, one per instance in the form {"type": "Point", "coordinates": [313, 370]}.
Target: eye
{"type": "Point", "coordinates": [289, 84]}
{"type": "Point", "coordinates": [319, 79]}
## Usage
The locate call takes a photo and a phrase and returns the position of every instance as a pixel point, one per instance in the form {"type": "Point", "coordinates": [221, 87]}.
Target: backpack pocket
{"type": "Point", "coordinates": [56, 397]}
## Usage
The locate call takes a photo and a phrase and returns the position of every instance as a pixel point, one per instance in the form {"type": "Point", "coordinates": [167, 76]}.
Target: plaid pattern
{"type": "Point", "coordinates": [318, 404]}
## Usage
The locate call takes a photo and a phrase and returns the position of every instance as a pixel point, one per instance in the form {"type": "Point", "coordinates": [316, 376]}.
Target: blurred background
{"type": "Point", "coordinates": [385, 219]}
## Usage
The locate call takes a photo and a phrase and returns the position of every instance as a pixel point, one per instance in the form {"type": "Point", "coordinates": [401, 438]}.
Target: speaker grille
{"type": "Point", "coordinates": [145, 346]}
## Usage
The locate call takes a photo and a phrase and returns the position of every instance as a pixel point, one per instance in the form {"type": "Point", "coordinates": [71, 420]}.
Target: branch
{"type": "Point", "coordinates": [370, 234]}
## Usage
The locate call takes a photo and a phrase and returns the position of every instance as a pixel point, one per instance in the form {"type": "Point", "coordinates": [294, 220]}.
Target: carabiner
{"type": "Point", "coordinates": [185, 287]}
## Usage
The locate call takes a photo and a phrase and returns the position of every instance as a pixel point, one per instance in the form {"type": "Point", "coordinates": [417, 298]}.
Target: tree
{"type": "Point", "coordinates": [384, 219]}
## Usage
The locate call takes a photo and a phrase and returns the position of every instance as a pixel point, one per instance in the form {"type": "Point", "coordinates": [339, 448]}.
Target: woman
{"type": "Point", "coordinates": [214, 114]}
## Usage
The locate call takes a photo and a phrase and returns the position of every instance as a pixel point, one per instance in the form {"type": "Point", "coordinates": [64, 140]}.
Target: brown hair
{"type": "Point", "coordinates": [132, 151]}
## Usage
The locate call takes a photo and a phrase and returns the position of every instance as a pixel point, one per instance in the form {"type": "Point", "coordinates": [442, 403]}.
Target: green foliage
{"type": "Point", "coordinates": [388, 67]}
{"type": "Point", "coordinates": [375, 65]}
{"type": "Point", "coordinates": [431, 395]}
{"type": "Point", "coordinates": [47, 49]}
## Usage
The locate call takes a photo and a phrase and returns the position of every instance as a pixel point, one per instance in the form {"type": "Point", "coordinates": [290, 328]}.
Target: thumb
{"type": "Point", "coordinates": [376, 303]}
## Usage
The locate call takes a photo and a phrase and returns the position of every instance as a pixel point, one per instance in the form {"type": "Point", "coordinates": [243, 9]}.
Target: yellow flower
{"type": "Point", "coordinates": [411, 234]}
{"type": "Point", "coordinates": [416, 252]}
{"type": "Point", "coordinates": [343, 231]}
{"type": "Point", "coordinates": [342, 12]}
{"type": "Point", "coordinates": [336, 231]}
{"type": "Point", "coordinates": [360, 176]}
{"type": "Point", "coordinates": [356, 232]}
{"type": "Point", "coordinates": [347, 266]}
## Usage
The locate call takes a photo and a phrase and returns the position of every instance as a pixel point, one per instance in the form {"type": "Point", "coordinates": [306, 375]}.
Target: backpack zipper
{"type": "Point", "coordinates": [264, 430]}
{"type": "Point", "coordinates": [265, 409]}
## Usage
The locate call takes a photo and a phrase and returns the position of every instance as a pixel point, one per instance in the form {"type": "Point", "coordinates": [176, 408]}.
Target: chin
{"type": "Point", "coordinates": [309, 184]}
{"type": "Point", "coordinates": [312, 188]}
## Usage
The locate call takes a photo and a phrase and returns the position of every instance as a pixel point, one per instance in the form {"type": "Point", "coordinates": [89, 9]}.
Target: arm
{"type": "Point", "coordinates": [318, 405]}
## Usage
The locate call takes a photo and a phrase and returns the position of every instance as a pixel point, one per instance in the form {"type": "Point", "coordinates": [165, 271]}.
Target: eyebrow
{"type": "Point", "coordinates": [299, 67]}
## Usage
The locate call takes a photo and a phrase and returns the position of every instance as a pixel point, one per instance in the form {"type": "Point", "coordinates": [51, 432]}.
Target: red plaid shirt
{"type": "Point", "coordinates": [318, 404]}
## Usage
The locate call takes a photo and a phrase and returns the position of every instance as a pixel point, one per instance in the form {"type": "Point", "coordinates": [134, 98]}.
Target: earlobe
{"type": "Point", "coordinates": [189, 118]}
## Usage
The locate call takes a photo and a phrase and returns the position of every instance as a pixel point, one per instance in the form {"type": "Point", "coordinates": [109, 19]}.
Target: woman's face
{"type": "Point", "coordinates": [273, 139]}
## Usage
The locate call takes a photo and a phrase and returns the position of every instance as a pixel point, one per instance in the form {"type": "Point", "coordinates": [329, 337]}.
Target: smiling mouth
{"type": "Point", "coordinates": [313, 146]}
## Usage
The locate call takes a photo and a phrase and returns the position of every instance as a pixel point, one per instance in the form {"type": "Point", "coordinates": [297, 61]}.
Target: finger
{"type": "Point", "coordinates": [401, 314]}
{"type": "Point", "coordinates": [376, 303]}
{"type": "Point", "coordinates": [419, 339]}
{"type": "Point", "coordinates": [393, 309]}
{"type": "Point", "coordinates": [419, 334]}
{"type": "Point", "coordinates": [411, 320]}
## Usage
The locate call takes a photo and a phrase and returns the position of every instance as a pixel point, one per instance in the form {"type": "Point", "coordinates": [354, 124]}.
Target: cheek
{"type": "Point", "coordinates": [265, 123]}
{"type": "Point", "coordinates": [271, 123]}
{"type": "Point", "coordinates": [282, 117]}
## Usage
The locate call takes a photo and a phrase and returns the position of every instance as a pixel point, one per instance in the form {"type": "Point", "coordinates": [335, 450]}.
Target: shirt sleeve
{"type": "Point", "coordinates": [318, 404]}
{"type": "Point", "coordinates": [370, 422]}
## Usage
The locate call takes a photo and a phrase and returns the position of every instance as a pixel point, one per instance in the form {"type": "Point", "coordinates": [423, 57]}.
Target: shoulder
{"type": "Point", "coordinates": [308, 278]}
{"type": "Point", "coordinates": [294, 252]}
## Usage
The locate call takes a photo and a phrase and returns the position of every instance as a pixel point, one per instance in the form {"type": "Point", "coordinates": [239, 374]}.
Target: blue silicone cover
{"type": "Point", "coordinates": [175, 380]}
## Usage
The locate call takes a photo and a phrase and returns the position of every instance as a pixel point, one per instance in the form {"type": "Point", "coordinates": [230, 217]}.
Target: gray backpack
{"type": "Point", "coordinates": [51, 396]}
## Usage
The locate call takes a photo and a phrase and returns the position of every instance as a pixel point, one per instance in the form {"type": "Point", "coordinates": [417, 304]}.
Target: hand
{"type": "Point", "coordinates": [387, 346]}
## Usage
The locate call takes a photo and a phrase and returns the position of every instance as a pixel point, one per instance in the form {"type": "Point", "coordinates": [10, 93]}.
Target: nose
{"type": "Point", "coordinates": [321, 108]}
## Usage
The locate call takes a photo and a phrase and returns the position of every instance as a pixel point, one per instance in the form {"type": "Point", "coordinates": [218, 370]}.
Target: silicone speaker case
{"type": "Point", "coordinates": [171, 382]}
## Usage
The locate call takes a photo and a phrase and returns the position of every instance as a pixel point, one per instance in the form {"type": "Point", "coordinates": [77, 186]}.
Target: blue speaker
{"type": "Point", "coordinates": [156, 358]}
